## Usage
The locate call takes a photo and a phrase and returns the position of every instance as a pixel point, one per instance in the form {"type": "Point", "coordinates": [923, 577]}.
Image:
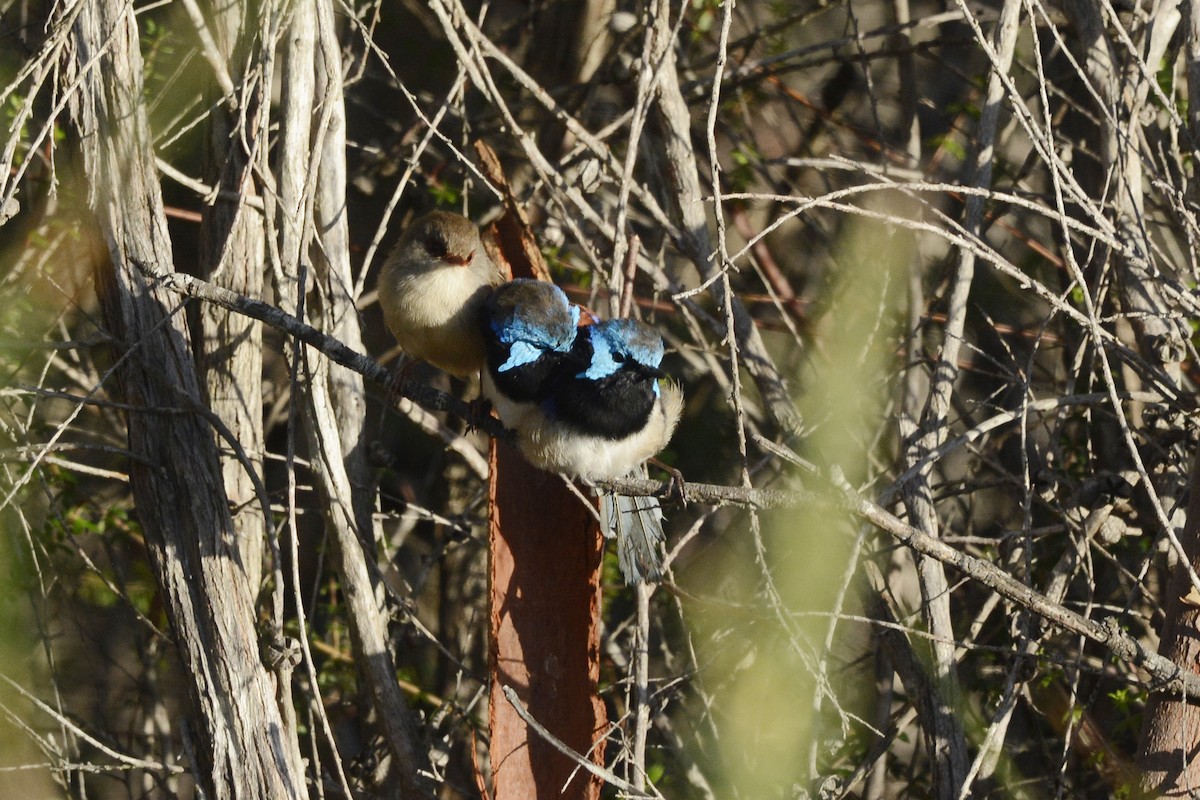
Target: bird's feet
{"type": "Point", "coordinates": [677, 488]}
{"type": "Point", "coordinates": [478, 410]}
{"type": "Point", "coordinates": [399, 377]}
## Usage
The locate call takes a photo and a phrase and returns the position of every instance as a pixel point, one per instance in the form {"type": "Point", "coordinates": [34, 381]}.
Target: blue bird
{"type": "Point", "coordinates": [528, 332]}
{"type": "Point", "coordinates": [605, 412]}
{"type": "Point", "coordinates": [587, 402]}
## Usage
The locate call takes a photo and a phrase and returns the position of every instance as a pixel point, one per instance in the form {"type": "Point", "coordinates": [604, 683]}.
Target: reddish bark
{"type": "Point", "coordinates": [545, 551]}
{"type": "Point", "coordinates": [545, 595]}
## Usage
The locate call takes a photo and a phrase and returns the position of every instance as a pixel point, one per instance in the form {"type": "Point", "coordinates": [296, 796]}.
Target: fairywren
{"type": "Point", "coordinates": [431, 289]}
{"type": "Point", "coordinates": [604, 412]}
{"type": "Point", "coordinates": [529, 330]}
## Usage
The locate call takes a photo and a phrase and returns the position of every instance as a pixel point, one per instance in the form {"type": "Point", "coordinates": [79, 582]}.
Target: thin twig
{"type": "Point", "coordinates": [561, 747]}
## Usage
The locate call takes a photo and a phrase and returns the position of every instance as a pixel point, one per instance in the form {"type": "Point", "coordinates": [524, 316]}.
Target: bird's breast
{"type": "Point", "coordinates": [433, 298]}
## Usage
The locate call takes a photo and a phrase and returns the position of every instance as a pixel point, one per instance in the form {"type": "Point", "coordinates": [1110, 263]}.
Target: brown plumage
{"type": "Point", "coordinates": [431, 289]}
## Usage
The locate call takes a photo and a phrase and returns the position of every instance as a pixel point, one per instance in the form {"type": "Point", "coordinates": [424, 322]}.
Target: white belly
{"type": "Point", "coordinates": [557, 447]}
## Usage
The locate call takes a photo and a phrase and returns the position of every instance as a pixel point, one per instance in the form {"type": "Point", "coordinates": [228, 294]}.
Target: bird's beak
{"type": "Point", "coordinates": [460, 261]}
{"type": "Point", "coordinates": [651, 372]}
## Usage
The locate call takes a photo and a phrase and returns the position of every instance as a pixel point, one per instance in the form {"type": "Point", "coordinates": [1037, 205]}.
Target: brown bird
{"type": "Point", "coordinates": [432, 288]}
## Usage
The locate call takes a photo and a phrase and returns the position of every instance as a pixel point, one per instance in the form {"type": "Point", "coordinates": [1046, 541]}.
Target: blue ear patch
{"type": "Point", "coordinates": [533, 329]}
{"type": "Point", "coordinates": [520, 354]}
{"type": "Point", "coordinates": [602, 364]}
{"type": "Point", "coordinates": [568, 329]}
{"type": "Point", "coordinates": [617, 341]}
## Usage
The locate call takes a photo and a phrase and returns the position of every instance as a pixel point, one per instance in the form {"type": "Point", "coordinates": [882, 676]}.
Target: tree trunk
{"type": "Point", "coordinates": [241, 747]}
{"type": "Point", "coordinates": [545, 566]}
{"type": "Point", "coordinates": [231, 255]}
{"type": "Point", "coordinates": [544, 601]}
{"type": "Point", "coordinates": [1169, 750]}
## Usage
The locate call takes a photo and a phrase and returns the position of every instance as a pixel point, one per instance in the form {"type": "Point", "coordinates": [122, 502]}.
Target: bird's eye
{"type": "Point", "coordinates": [436, 246]}
{"type": "Point", "coordinates": [619, 358]}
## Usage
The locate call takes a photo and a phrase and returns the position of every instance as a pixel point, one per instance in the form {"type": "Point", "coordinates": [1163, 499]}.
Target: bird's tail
{"type": "Point", "coordinates": [637, 524]}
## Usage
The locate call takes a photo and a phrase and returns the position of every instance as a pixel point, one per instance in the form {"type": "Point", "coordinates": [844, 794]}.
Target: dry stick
{"type": "Point", "coordinates": [331, 252]}
{"type": "Point", "coordinates": [1167, 677]}
{"type": "Point", "coordinates": [288, 220]}
{"type": "Point", "coordinates": [641, 655]}
{"type": "Point", "coordinates": [301, 170]}
{"type": "Point", "coordinates": [955, 234]}
{"type": "Point", "coordinates": [948, 740]}
{"type": "Point", "coordinates": [44, 66]}
{"type": "Point", "coordinates": [674, 119]}
{"type": "Point", "coordinates": [1056, 589]}
{"type": "Point", "coordinates": [586, 138]}
{"type": "Point", "coordinates": [642, 100]}
{"type": "Point", "coordinates": [558, 745]}
{"type": "Point", "coordinates": [1121, 95]}
{"type": "Point", "coordinates": [1185, 563]}
{"type": "Point", "coordinates": [456, 442]}
{"type": "Point", "coordinates": [630, 270]}
{"type": "Point", "coordinates": [656, 44]}
{"type": "Point", "coordinates": [641, 684]}
{"type": "Point", "coordinates": [339, 353]}
{"type": "Point", "coordinates": [346, 395]}
{"type": "Point", "coordinates": [293, 541]}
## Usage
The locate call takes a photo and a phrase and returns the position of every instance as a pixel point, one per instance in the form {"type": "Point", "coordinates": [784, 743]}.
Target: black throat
{"type": "Point", "coordinates": [612, 407]}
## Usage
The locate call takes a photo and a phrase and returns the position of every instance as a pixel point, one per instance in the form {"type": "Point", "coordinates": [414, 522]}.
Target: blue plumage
{"type": "Point", "coordinates": [529, 331]}
{"type": "Point", "coordinates": [616, 342]}
{"type": "Point", "coordinates": [616, 387]}
{"type": "Point", "coordinates": [532, 318]}
{"type": "Point", "coordinates": [615, 405]}
{"type": "Point", "coordinates": [588, 402]}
